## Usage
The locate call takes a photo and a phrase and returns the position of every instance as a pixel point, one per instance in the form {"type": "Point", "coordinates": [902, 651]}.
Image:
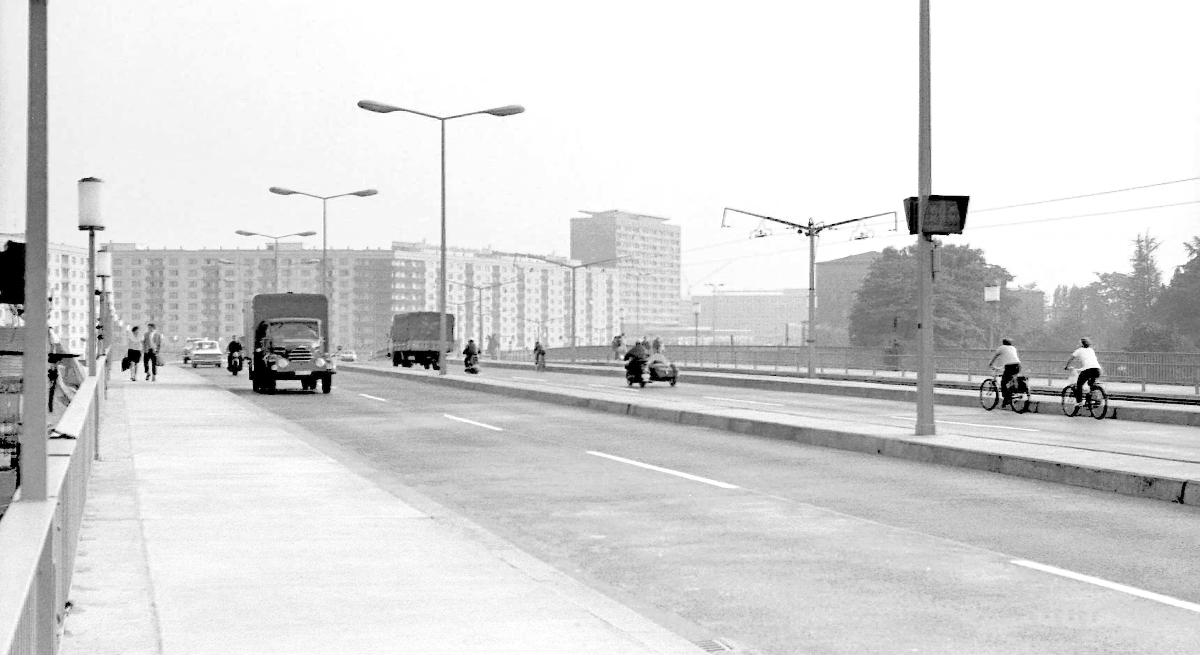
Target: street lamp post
{"type": "Point", "coordinates": [324, 223]}
{"type": "Point", "coordinates": [926, 425]}
{"type": "Point", "coordinates": [247, 233]}
{"type": "Point", "coordinates": [91, 221]}
{"type": "Point", "coordinates": [696, 315]}
{"type": "Point", "coordinates": [714, 287]}
{"type": "Point", "coordinates": [382, 108]}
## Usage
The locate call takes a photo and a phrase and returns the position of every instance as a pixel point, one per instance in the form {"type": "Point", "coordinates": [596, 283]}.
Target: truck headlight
{"type": "Point", "coordinates": [320, 362]}
{"type": "Point", "coordinates": [281, 363]}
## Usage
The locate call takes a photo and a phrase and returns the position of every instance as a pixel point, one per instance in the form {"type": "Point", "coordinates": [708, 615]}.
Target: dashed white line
{"type": "Point", "coordinates": [528, 379]}
{"type": "Point", "coordinates": [610, 387]}
{"type": "Point", "coordinates": [739, 400]}
{"type": "Point", "coordinates": [689, 476]}
{"type": "Point", "coordinates": [1108, 584]}
{"type": "Point", "coordinates": [382, 400]}
{"type": "Point", "coordinates": [467, 420]}
{"type": "Point", "coordinates": [972, 425]}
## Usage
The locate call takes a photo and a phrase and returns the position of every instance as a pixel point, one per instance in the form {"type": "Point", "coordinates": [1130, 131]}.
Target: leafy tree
{"type": "Point", "coordinates": [1178, 307]}
{"type": "Point", "coordinates": [885, 305]}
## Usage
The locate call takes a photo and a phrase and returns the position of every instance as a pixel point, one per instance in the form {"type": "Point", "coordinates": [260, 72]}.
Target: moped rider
{"type": "Point", "coordinates": [233, 351]}
{"type": "Point", "coordinates": [470, 354]}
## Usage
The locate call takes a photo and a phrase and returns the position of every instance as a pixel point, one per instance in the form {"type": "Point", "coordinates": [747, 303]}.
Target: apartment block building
{"type": "Point", "coordinates": [646, 251]}
{"type": "Point", "coordinates": [202, 292]}
{"type": "Point", "coordinates": [68, 292]}
{"type": "Point", "coordinates": [518, 299]}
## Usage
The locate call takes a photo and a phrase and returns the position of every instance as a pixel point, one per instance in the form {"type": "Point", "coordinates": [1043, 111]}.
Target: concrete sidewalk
{"type": "Point", "coordinates": [212, 528]}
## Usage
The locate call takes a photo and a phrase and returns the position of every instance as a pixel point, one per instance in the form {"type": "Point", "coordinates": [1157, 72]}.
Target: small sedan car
{"type": "Point", "coordinates": [207, 353]}
{"type": "Point", "coordinates": [348, 356]}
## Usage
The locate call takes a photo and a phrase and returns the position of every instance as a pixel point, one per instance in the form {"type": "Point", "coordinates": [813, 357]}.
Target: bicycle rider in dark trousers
{"type": "Point", "coordinates": [1006, 356]}
{"type": "Point", "coordinates": [1089, 368]}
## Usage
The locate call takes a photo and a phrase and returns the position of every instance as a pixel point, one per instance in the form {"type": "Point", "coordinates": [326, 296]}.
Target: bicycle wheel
{"type": "Point", "coordinates": [1020, 402]}
{"type": "Point", "coordinates": [1068, 401]}
{"type": "Point", "coordinates": [1098, 403]}
{"type": "Point", "coordinates": [989, 395]}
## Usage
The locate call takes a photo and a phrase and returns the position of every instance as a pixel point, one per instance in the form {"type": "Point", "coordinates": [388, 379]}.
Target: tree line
{"type": "Point", "coordinates": [1133, 310]}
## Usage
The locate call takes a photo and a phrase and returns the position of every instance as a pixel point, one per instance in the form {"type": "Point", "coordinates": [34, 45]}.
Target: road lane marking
{"type": "Point", "coordinates": [610, 387]}
{"type": "Point", "coordinates": [1116, 586]}
{"type": "Point", "coordinates": [973, 425]}
{"type": "Point", "coordinates": [689, 476]}
{"type": "Point", "coordinates": [739, 400]}
{"type": "Point", "coordinates": [528, 379]}
{"type": "Point", "coordinates": [467, 420]}
{"type": "Point", "coordinates": [382, 400]}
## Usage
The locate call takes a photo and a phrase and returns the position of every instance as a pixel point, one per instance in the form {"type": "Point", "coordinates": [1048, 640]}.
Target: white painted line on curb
{"type": "Point", "coordinates": [1116, 586]}
{"type": "Point", "coordinates": [467, 420]}
{"type": "Point", "coordinates": [972, 425]}
{"type": "Point", "coordinates": [382, 400]}
{"type": "Point", "coordinates": [739, 400]}
{"type": "Point", "coordinates": [689, 476]}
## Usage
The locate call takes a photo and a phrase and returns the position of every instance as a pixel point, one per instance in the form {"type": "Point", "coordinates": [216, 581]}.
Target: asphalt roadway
{"type": "Point", "coordinates": [775, 546]}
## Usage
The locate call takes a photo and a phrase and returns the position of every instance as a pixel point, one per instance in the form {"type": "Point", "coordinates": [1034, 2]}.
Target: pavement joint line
{"type": "Point", "coordinates": [467, 420]}
{"type": "Point", "coordinates": [681, 474]}
{"type": "Point", "coordinates": [369, 396]}
{"type": "Point", "coordinates": [1108, 584]}
{"type": "Point", "coordinates": [970, 425]}
{"type": "Point", "coordinates": [739, 400]}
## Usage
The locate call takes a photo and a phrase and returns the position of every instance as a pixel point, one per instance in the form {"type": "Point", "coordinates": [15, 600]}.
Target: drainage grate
{"type": "Point", "coordinates": [713, 645]}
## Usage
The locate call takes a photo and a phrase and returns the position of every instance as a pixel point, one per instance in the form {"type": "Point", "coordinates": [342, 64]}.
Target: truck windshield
{"type": "Point", "coordinates": [293, 331]}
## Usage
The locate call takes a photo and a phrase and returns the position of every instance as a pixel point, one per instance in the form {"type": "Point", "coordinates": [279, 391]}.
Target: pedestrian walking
{"type": "Point", "coordinates": [151, 346]}
{"type": "Point", "coordinates": [133, 352]}
{"type": "Point", "coordinates": [657, 345]}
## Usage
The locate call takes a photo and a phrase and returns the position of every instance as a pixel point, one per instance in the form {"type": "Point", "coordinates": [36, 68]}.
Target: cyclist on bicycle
{"type": "Point", "coordinates": [1089, 368]}
{"type": "Point", "coordinates": [1006, 357]}
{"type": "Point", "coordinates": [539, 354]}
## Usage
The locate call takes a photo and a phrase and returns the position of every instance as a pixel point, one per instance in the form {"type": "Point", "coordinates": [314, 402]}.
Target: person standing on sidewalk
{"type": "Point", "coordinates": [1089, 368]}
{"type": "Point", "coordinates": [1006, 357]}
{"type": "Point", "coordinates": [151, 345]}
{"type": "Point", "coordinates": [133, 354]}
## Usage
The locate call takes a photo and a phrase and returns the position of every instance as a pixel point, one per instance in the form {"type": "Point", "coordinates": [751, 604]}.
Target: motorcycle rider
{"type": "Point", "coordinates": [233, 350]}
{"type": "Point", "coordinates": [539, 354]}
{"type": "Point", "coordinates": [470, 354]}
{"type": "Point", "coordinates": [637, 358]}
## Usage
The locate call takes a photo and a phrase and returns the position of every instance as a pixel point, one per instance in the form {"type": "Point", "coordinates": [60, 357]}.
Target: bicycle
{"type": "Point", "coordinates": [539, 361]}
{"type": "Point", "coordinates": [1095, 401]}
{"type": "Point", "coordinates": [989, 392]}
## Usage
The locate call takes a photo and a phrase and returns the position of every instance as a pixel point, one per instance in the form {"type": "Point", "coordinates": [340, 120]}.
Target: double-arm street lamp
{"type": "Point", "coordinates": [574, 270]}
{"type": "Point", "coordinates": [324, 223]}
{"type": "Point", "coordinates": [382, 108]}
{"type": "Point", "coordinates": [247, 233]}
{"type": "Point", "coordinates": [479, 289]}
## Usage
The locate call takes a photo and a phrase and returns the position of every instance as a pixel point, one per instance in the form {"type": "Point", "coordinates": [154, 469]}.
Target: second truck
{"type": "Point", "coordinates": [414, 339]}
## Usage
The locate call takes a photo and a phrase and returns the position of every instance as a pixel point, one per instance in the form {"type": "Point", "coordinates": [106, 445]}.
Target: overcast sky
{"type": "Point", "coordinates": [191, 109]}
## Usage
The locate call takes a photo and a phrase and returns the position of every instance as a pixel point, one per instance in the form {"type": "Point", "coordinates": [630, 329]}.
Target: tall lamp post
{"type": "Point", "coordinates": [479, 289]}
{"type": "Point", "coordinates": [324, 223]}
{"type": "Point", "coordinates": [381, 108]}
{"type": "Point", "coordinates": [91, 220]}
{"type": "Point", "coordinates": [247, 233]}
{"type": "Point", "coordinates": [696, 315]}
{"type": "Point", "coordinates": [714, 287]}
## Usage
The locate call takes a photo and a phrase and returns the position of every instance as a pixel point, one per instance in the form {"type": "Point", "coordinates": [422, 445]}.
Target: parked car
{"type": "Point", "coordinates": [188, 346]}
{"type": "Point", "coordinates": [348, 356]}
{"type": "Point", "coordinates": [207, 353]}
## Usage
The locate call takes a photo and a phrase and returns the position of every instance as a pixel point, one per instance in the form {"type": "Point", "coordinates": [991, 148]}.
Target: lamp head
{"type": "Point", "coordinates": [364, 193]}
{"type": "Point", "coordinates": [246, 233]}
{"type": "Point", "coordinates": [506, 110]}
{"type": "Point", "coordinates": [378, 107]}
{"type": "Point", "coordinates": [308, 233]}
{"type": "Point", "coordinates": [281, 191]}
{"type": "Point", "coordinates": [89, 204]}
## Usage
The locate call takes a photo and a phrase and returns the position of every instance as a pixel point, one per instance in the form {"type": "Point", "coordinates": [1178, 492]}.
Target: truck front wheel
{"type": "Point", "coordinates": [326, 384]}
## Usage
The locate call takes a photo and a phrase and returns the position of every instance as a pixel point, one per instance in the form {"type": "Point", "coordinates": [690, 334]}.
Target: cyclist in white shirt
{"type": "Point", "coordinates": [1089, 368]}
{"type": "Point", "coordinates": [1006, 356]}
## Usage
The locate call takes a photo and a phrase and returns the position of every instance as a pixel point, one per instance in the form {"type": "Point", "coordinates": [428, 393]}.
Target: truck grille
{"type": "Point", "coordinates": [295, 354]}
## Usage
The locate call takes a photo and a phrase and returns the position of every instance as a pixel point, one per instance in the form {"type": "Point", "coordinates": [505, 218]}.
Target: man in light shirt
{"type": "Point", "coordinates": [1089, 368]}
{"type": "Point", "coordinates": [1006, 357]}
